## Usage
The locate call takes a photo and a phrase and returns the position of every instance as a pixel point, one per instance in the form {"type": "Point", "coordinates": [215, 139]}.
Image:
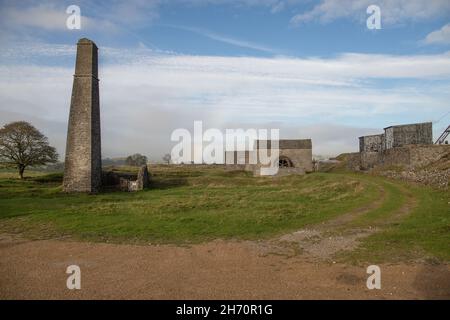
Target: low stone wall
{"type": "Point", "coordinates": [413, 156]}
{"type": "Point", "coordinates": [425, 164]}
{"type": "Point", "coordinates": [354, 161]}
{"type": "Point", "coordinates": [395, 157]}
{"type": "Point", "coordinates": [369, 159]}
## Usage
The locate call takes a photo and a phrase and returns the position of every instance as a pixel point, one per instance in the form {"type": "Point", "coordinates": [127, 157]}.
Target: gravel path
{"type": "Point", "coordinates": [215, 270]}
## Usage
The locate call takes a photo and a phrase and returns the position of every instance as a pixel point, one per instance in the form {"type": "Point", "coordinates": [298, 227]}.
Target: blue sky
{"type": "Point", "coordinates": [311, 68]}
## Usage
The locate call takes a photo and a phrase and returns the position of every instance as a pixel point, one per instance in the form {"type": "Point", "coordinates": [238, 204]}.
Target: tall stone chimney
{"type": "Point", "coordinates": [83, 167]}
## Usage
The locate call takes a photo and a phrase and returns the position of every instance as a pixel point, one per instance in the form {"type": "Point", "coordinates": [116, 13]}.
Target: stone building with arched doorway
{"type": "Point", "coordinates": [294, 157]}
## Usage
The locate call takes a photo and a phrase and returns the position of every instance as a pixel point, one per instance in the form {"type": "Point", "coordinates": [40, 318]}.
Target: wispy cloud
{"type": "Point", "coordinates": [155, 93]}
{"type": "Point", "coordinates": [47, 16]}
{"type": "Point", "coordinates": [441, 36]}
{"type": "Point", "coordinates": [226, 39]}
{"type": "Point", "coordinates": [392, 11]}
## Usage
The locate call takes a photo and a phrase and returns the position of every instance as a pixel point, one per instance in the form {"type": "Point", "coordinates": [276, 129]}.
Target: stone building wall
{"type": "Point", "coordinates": [395, 157]}
{"type": "Point", "coordinates": [126, 181]}
{"type": "Point", "coordinates": [414, 156]}
{"type": "Point", "coordinates": [299, 153]}
{"type": "Point", "coordinates": [301, 158]}
{"type": "Point", "coordinates": [404, 145]}
{"type": "Point", "coordinates": [418, 133]}
{"type": "Point", "coordinates": [372, 143]}
{"type": "Point", "coordinates": [388, 138]}
{"type": "Point", "coordinates": [369, 159]}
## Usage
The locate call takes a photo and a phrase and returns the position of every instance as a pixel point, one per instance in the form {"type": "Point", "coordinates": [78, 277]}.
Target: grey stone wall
{"type": "Point", "coordinates": [369, 159]}
{"type": "Point", "coordinates": [354, 161]}
{"type": "Point", "coordinates": [299, 152]}
{"type": "Point", "coordinates": [372, 143]}
{"type": "Point", "coordinates": [82, 172]}
{"type": "Point", "coordinates": [126, 181]}
{"type": "Point", "coordinates": [418, 133]}
{"type": "Point", "coordinates": [301, 160]}
{"type": "Point", "coordinates": [143, 178]}
{"type": "Point", "coordinates": [414, 156]}
{"type": "Point", "coordinates": [388, 138]}
{"type": "Point", "coordinates": [408, 157]}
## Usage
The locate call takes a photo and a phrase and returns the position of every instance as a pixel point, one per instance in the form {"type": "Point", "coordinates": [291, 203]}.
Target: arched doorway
{"type": "Point", "coordinates": [284, 162]}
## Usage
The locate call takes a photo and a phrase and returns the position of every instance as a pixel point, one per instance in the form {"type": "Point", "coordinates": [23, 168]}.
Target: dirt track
{"type": "Point", "coordinates": [295, 266]}
{"type": "Point", "coordinates": [216, 270]}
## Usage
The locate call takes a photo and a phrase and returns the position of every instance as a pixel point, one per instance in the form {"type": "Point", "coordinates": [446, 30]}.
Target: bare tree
{"type": "Point", "coordinates": [22, 145]}
{"type": "Point", "coordinates": [167, 158]}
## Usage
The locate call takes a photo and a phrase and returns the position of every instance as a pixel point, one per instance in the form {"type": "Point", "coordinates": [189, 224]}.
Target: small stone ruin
{"type": "Point", "coordinates": [126, 181]}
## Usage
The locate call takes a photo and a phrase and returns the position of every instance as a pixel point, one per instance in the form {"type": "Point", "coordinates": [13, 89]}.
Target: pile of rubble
{"type": "Point", "coordinates": [433, 177]}
{"type": "Point", "coordinates": [436, 174]}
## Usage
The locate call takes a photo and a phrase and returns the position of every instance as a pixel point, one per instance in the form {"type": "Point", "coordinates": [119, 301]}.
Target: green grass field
{"type": "Point", "coordinates": [195, 204]}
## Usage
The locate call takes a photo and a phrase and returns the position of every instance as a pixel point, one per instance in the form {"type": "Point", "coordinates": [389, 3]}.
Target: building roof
{"type": "Point", "coordinates": [406, 125]}
{"type": "Point", "coordinates": [289, 144]}
{"type": "Point", "coordinates": [372, 135]}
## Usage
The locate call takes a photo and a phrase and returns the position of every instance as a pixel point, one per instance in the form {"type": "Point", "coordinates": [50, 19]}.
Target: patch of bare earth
{"type": "Point", "coordinates": [215, 270]}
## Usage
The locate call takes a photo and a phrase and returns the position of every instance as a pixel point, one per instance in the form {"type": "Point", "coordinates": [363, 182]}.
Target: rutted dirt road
{"type": "Point", "coordinates": [216, 270]}
{"type": "Point", "coordinates": [294, 266]}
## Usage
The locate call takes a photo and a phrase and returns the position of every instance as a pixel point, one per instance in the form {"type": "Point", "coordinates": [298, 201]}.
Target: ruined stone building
{"type": "Point", "coordinates": [408, 134]}
{"type": "Point", "coordinates": [402, 145]}
{"type": "Point", "coordinates": [126, 181]}
{"type": "Point", "coordinates": [294, 157]}
{"type": "Point", "coordinates": [398, 136]}
{"type": "Point", "coordinates": [372, 143]}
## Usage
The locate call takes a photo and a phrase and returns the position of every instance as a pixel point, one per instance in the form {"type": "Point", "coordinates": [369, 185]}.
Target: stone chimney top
{"type": "Point", "coordinates": [86, 41]}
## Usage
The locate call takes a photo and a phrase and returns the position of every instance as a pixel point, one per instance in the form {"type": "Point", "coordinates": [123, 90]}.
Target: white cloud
{"type": "Point", "coordinates": [441, 36]}
{"type": "Point", "coordinates": [146, 94]}
{"type": "Point", "coordinates": [392, 11]}
{"type": "Point", "coordinates": [50, 15]}
{"type": "Point", "coordinates": [41, 16]}
{"type": "Point", "coordinates": [47, 16]}
{"type": "Point", "coordinates": [226, 39]}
